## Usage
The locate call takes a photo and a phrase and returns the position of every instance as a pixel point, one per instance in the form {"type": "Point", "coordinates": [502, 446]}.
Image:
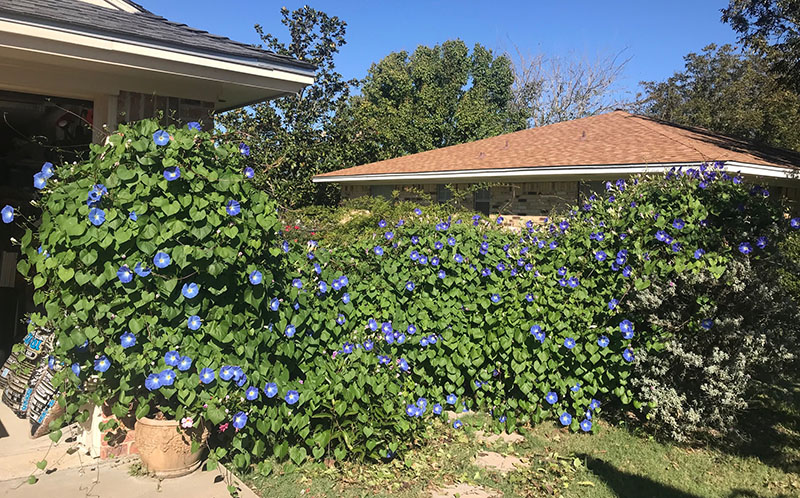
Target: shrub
{"type": "Point", "coordinates": [365, 340]}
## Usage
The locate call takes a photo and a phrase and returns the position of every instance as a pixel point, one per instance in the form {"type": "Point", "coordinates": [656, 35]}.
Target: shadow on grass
{"type": "Point", "coordinates": [770, 429]}
{"type": "Point", "coordinates": [627, 485]}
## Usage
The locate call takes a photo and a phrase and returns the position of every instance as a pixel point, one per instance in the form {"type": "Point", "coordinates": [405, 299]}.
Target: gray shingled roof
{"type": "Point", "coordinates": [142, 27]}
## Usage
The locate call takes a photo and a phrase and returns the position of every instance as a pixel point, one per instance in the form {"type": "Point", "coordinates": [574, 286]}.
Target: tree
{"type": "Point", "coordinates": [435, 97]}
{"type": "Point", "coordinates": [291, 135]}
{"type": "Point", "coordinates": [728, 91]}
{"type": "Point", "coordinates": [548, 90]}
{"type": "Point", "coordinates": [770, 27]}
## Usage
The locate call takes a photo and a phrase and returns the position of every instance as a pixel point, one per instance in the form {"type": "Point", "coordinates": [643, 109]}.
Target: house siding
{"type": "Point", "coordinates": [132, 106]}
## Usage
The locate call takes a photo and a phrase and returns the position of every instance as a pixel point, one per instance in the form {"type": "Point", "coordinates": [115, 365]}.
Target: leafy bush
{"type": "Point", "coordinates": [346, 350]}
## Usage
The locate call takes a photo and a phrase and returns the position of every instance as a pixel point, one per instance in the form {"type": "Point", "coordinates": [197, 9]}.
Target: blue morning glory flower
{"type": "Point", "coordinates": [613, 304]}
{"type": "Point", "coordinates": [388, 235]}
{"type": "Point", "coordinates": [451, 399]}
{"type": "Point", "coordinates": [410, 286]}
{"type": "Point", "coordinates": [152, 382]}
{"type": "Point", "coordinates": [172, 358]}
{"type": "Point", "coordinates": [382, 224]}
{"type": "Point", "coordinates": [285, 246]}
{"type": "Point", "coordinates": [678, 224]}
{"type": "Point", "coordinates": [438, 246]}
{"type": "Point", "coordinates": [378, 250]}
{"type": "Point", "coordinates": [47, 170]}
{"type": "Point", "coordinates": [600, 256]}
{"type": "Point", "coordinates": [576, 387]}
{"type": "Point", "coordinates": [101, 364]}
{"type": "Point", "coordinates": [626, 272]}
{"type": "Point", "coordinates": [761, 242]}
{"type": "Point", "coordinates": [495, 298]}
{"type": "Point", "coordinates": [83, 347]}
{"type": "Point", "coordinates": [190, 290]}
{"type": "Point", "coordinates": [255, 278]}
{"type": "Point", "coordinates": [141, 270]}
{"type": "Point", "coordinates": [536, 331]}
{"type": "Point", "coordinates": [565, 418]}
{"type": "Point", "coordinates": [569, 343]}
{"type": "Point", "coordinates": [602, 341]}
{"type": "Point", "coordinates": [194, 322]}
{"type": "Point", "coordinates": [586, 425]}
{"type": "Point", "coordinates": [39, 180]}
{"type": "Point", "coordinates": [441, 274]}
{"type": "Point", "coordinates": [458, 258]}
{"type": "Point", "coordinates": [529, 298]}
{"type": "Point", "coordinates": [194, 125]}
{"type": "Point", "coordinates": [172, 173]}
{"type": "Point", "coordinates": [271, 389]}
{"type": "Point", "coordinates": [451, 241]}
{"type": "Point", "coordinates": [457, 424]}
{"type": "Point", "coordinates": [389, 338]}
{"type": "Point", "coordinates": [249, 172]}
{"type": "Point", "coordinates": [745, 248]}
{"type": "Point", "coordinates": [794, 223]}
{"type": "Point", "coordinates": [251, 394]}
{"type": "Point", "coordinates": [161, 137]}
{"type": "Point", "coordinates": [184, 364]}
{"type": "Point", "coordinates": [240, 419]}
{"type": "Point", "coordinates": [626, 327]}
{"type": "Point", "coordinates": [124, 274]}
{"type": "Point", "coordinates": [437, 409]}
{"type": "Point", "coordinates": [161, 260]}
{"type": "Point", "coordinates": [76, 369]}
{"type": "Point", "coordinates": [414, 255]}
{"type": "Point", "coordinates": [292, 397]}
{"type": "Point", "coordinates": [166, 377]}
{"type": "Point", "coordinates": [233, 207]}
{"type": "Point", "coordinates": [206, 375]}
{"type": "Point", "coordinates": [226, 373]}
{"type": "Point", "coordinates": [297, 283]}
{"type": "Point", "coordinates": [551, 398]}
{"type": "Point", "coordinates": [594, 404]}
{"type": "Point", "coordinates": [244, 149]}
{"type": "Point", "coordinates": [290, 331]}
{"type": "Point", "coordinates": [127, 340]}
{"type": "Point", "coordinates": [699, 253]}
{"type": "Point", "coordinates": [97, 216]}
{"type": "Point", "coordinates": [628, 355]}
{"type": "Point", "coordinates": [132, 215]}
{"type": "Point", "coordinates": [707, 323]}
{"type": "Point", "coordinates": [661, 236]}
{"type": "Point", "coordinates": [373, 325]}
{"type": "Point", "coordinates": [573, 282]}
{"type": "Point", "coordinates": [323, 287]}
{"type": "Point", "coordinates": [432, 339]}
{"type": "Point", "coordinates": [676, 247]}
{"type": "Point", "coordinates": [8, 214]}
{"type": "Point", "coordinates": [423, 342]}
{"type": "Point", "coordinates": [346, 298]}
{"type": "Point", "coordinates": [341, 319]}
{"type": "Point", "coordinates": [417, 211]}
{"type": "Point", "coordinates": [412, 329]}
{"type": "Point", "coordinates": [368, 345]}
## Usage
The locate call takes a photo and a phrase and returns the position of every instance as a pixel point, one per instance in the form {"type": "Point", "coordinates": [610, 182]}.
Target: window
{"type": "Point", "coordinates": [443, 194]}
{"type": "Point", "coordinates": [483, 201]}
{"type": "Point", "coordinates": [384, 191]}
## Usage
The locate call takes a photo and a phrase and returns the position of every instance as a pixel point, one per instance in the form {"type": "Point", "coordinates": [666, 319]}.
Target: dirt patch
{"type": "Point", "coordinates": [464, 491]}
{"type": "Point", "coordinates": [512, 438]}
{"type": "Point", "coordinates": [501, 463]}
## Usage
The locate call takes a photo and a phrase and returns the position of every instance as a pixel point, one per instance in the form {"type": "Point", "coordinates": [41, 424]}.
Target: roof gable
{"type": "Point", "coordinates": [615, 138]}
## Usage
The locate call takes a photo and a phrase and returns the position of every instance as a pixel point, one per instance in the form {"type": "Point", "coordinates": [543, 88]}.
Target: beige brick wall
{"type": "Point", "coordinates": [133, 106]}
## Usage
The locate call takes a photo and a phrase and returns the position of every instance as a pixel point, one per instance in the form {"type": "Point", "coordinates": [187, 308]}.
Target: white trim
{"type": "Point", "coordinates": [479, 175]}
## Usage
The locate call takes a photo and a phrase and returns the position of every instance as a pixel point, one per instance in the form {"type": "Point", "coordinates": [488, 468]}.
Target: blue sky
{"type": "Point", "coordinates": [656, 35]}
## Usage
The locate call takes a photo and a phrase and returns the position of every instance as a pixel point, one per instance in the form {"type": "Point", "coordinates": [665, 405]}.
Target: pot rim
{"type": "Point", "coordinates": [152, 421]}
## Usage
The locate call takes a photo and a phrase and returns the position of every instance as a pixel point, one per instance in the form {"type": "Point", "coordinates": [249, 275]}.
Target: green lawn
{"type": "Point", "coordinates": [615, 462]}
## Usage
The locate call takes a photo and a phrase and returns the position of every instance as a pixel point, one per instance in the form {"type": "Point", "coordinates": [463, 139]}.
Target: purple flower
{"type": "Point", "coordinates": [292, 397]}
{"type": "Point", "coordinates": [551, 398]}
{"type": "Point", "coordinates": [628, 355]}
{"type": "Point", "coordinates": [240, 419]}
{"type": "Point", "coordinates": [745, 248]}
{"type": "Point", "coordinates": [565, 418]}
{"type": "Point", "coordinates": [8, 214]}
{"type": "Point", "coordinates": [172, 173]}
{"type": "Point", "coordinates": [233, 207]}
{"type": "Point", "coordinates": [244, 149]}
{"type": "Point", "coordinates": [569, 343]}
{"type": "Point", "coordinates": [699, 253]}
{"type": "Point", "coordinates": [602, 341]}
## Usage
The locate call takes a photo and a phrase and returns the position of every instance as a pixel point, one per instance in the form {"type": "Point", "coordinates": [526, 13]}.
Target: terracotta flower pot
{"type": "Point", "coordinates": [165, 450]}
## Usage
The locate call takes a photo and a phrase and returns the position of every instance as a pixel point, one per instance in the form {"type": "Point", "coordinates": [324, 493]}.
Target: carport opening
{"type": "Point", "coordinates": [34, 129]}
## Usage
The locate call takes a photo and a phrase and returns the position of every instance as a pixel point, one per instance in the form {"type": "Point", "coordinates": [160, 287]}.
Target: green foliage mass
{"type": "Point", "coordinates": [728, 91]}
{"type": "Point", "coordinates": [307, 325]}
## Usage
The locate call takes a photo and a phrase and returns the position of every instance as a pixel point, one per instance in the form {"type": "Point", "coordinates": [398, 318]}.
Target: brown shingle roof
{"type": "Point", "coordinates": [615, 138]}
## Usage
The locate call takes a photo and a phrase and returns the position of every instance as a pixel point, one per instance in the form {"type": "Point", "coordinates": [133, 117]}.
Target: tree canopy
{"type": "Point", "coordinates": [728, 91]}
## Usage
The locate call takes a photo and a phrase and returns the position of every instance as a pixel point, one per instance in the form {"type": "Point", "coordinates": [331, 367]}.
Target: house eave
{"type": "Point", "coordinates": [580, 172]}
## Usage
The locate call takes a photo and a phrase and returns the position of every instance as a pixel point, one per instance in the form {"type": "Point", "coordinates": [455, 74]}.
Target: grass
{"type": "Point", "coordinates": [614, 462]}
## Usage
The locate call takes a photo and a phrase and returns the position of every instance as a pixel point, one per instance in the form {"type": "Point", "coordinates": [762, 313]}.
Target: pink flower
{"type": "Point", "coordinates": [223, 427]}
{"type": "Point", "coordinates": [301, 381]}
{"type": "Point", "coordinates": [187, 422]}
